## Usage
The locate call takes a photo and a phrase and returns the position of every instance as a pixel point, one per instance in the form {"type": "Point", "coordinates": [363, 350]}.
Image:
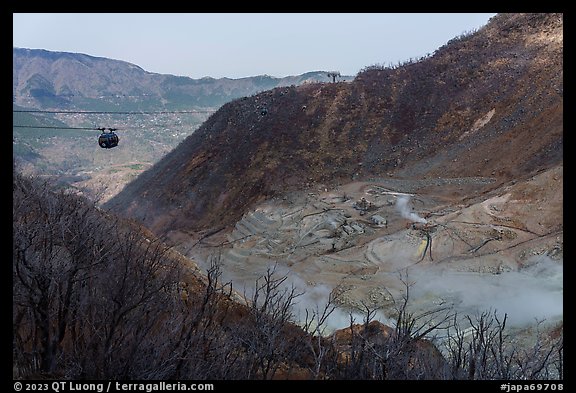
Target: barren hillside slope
{"type": "Point", "coordinates": [489, 104]}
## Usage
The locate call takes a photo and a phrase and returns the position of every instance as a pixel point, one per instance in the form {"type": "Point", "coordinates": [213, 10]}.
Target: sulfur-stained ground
{"type": "Point", "coordinates": [468, 250]}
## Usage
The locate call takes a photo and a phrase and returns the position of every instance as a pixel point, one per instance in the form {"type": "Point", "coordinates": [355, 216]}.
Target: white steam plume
{"type": "Point", "coordinates": [532, 293]}
{"type": "Point", "coordinates": [402, 206]}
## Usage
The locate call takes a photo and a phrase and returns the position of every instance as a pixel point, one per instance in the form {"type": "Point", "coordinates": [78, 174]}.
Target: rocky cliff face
{"type": "Point", "coordinates": [488, 104]}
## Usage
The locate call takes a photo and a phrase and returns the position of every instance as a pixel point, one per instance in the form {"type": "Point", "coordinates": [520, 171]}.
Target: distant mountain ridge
{"type": "Point", "coordinates": [46, 79]}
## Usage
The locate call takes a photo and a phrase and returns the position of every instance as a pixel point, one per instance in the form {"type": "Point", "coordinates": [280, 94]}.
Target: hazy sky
{"type": "Point", "coordinates": [240, 45]}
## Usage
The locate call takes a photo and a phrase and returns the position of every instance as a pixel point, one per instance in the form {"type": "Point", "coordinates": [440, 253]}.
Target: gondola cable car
{"type": "Point", "coordinates": [108, 140]}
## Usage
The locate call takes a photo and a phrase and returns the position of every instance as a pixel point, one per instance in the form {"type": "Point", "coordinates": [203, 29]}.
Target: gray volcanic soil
{"type": "Point", "coordinates": [503, 250]}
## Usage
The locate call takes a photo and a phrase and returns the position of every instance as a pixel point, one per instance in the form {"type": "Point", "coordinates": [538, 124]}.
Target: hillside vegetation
{"type": "Point", "coordinates": [96, 297]}
{"type": "Point", "coordinates": [61, 81]}
{"type": "Point", "coordinates": [487, 104]}
{"type": "Point", "coordinates": [364, 230]}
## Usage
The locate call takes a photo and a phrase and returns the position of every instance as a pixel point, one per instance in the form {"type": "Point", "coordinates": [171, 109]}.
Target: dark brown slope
{"type": "Point", "coordinates": [489, 104]}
